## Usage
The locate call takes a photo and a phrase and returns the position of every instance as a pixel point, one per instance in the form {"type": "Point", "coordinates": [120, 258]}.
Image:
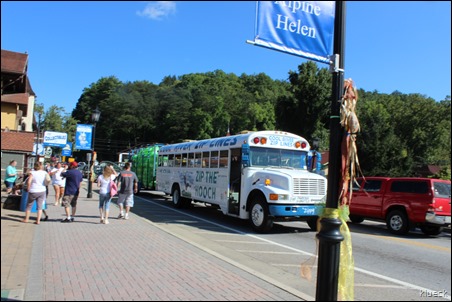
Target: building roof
{"type": "Point", "coordinates": [14, 62]}
{"type": "Point", "coordinates": [15, 98]}
{"type": "Point", "coordinates": [18, 141]}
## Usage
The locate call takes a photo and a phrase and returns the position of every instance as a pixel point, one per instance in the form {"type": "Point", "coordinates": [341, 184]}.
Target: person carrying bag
{"type": "Point", "coordinates": [107, 189]}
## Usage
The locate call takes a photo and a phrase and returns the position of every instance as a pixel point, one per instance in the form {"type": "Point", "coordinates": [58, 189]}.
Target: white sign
{"type": "Point", "coordinates": [56, 139]}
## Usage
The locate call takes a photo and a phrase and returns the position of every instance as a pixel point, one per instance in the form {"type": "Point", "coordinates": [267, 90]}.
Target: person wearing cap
{"type": "Point", "coordinates": [74, 180]}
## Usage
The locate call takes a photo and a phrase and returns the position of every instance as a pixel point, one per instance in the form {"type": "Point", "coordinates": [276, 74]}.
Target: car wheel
{"type": "Point", "coordinates": [431, 230]}
{"type": "Point", "coordinates": [356, 219]}
{"type": "Point", "coordinates": [397, 222]}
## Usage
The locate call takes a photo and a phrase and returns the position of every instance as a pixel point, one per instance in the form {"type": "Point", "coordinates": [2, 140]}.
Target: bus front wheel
{"type": "Point", "coordinates": [259, 216]}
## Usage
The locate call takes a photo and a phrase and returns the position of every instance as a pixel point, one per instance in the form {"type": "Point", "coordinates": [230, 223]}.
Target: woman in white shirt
{"type": "Point", "coordinates": [103, 182]}
{"type": "Point", "coordinates": [58, 182]}
{"type": "Point", "coordinates": [36, 185]}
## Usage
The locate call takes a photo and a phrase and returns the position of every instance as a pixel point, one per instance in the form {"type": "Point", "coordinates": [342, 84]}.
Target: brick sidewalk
{"type": "Point", "coordinates": [125, 260]}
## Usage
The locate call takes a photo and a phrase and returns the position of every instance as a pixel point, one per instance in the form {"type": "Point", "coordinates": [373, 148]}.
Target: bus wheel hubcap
{"type": "Point", "coordinates": [257, 215]}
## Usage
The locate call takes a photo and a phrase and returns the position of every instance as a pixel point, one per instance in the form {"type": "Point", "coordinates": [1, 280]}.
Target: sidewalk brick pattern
{"type": "Point", "coordinates": [125, 260]}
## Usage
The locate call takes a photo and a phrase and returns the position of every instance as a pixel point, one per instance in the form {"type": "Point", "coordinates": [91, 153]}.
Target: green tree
{"type": "Point", "coordinates": [308, 106]}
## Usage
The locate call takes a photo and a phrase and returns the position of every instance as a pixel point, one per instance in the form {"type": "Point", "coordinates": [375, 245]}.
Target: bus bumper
{"type": "Point", "coordinates": [295, 210]}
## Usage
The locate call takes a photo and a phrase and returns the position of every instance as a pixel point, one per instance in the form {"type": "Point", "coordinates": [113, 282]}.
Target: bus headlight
{"type": "Point", "coordinates": [279, 197]}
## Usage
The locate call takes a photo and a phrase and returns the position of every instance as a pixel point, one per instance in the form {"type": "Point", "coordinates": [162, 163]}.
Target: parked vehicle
{"type": "Point", "coordinates": [404, 203]}
{"type": "Point", "coordinates": [81, 165]}
{"type": "Point", "coordinates": [144, 164]}
{"type": "Point", "coordinates": [98, 169]}
{"type": "Point", "coordinates": [85, 170]}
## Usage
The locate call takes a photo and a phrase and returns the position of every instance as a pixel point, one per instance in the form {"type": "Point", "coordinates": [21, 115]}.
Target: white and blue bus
{"type": "Point", "coordinates": [261, 176]}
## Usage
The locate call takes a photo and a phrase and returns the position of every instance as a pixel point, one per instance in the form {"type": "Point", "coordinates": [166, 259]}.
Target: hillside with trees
{"type": "Point", "coordinates": [399, 132]}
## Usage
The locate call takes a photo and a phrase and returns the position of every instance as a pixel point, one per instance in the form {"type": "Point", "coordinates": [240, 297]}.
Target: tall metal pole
{"type": "Point", "coordinates": [38, 124]}
{"type": "Point", "coordinates": [90, 174]}
{"type": "Point", "coordinates": [329, 235]}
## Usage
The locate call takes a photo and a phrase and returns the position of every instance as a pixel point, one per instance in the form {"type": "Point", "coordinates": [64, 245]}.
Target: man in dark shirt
{"type": "Point", "coordinates": [74, 180]}
{"type": "Point", "coordinates": [128, 185]}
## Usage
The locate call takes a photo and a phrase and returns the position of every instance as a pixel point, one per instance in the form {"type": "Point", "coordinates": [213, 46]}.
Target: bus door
{"type": "Point", "coordinates": [235, 180]}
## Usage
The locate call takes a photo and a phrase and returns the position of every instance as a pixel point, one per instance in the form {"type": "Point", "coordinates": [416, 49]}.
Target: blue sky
{"type": "Point", "coordinates": [389, 46]}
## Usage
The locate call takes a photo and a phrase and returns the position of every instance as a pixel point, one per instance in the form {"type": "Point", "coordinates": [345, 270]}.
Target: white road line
{"type": "Point", "coordinates": [267, 252]}
{"type": "Point", "coordinates": [239, 241]}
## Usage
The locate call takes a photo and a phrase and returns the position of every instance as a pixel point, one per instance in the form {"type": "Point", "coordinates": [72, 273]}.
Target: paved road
{"type": "Point", "coordinates": [125, 260]}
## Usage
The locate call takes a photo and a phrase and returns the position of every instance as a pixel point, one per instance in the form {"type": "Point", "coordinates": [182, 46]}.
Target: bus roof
{"type": "Point", "coordinates": [268, 139]}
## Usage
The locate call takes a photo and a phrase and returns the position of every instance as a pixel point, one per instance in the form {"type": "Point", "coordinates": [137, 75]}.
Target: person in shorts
{"type": "Point", "coordinates": [128, 185]}
{"type": "Point", "coordinates": [36, 188]}
{"type": "Point", "coordinates": [10, 176]}
{"type": "Point", "coordinates": [58, 182]}
{"type": "Point", "coordinates": [74, 180]}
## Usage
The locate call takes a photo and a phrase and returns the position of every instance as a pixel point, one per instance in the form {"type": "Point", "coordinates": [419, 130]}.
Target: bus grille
{"type": "Point", "coordinates": [305, 187]}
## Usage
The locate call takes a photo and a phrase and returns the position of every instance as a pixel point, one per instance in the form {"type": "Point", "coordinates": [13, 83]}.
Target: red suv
{"type": "Point", "coordinates": [403, 203]}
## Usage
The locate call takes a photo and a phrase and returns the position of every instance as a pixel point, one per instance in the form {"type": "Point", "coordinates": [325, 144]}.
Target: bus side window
{"type": "Point", "coordinates": [171, 160]}
{"type": "Point", "coordinates": [197, 159]}
{"type": "Point", "coordinates": [214, 159]}
{"type": "Point", "coordinates": [191, 160]}
{"type": "Point", "coordinates": [184, 160]}
{"type": "Point", "coordinates": [224, 154]}
{"type": "Point", "coordinates": [205, 159]}
{"type": "Point", "coordinates": [178, 160]}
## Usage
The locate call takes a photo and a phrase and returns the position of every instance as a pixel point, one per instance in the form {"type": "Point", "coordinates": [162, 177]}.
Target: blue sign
{"type": "Point", "coordinates": [83, 137]}
{"type": "Point", "coordinates": [55, 139]}
{"type": "Point", "coordinates": [39, 147]}
{"type": "Point", "coordinates": [302, 28]}
{"type": "Point", "coordinates": [67, 150]}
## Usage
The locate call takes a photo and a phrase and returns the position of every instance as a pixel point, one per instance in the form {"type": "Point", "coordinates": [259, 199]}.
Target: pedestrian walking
{"type": "Point", "coordinates": [104, 183]}
{"type": "Point", "coordinates": [74, 180]}
{"type": "Point", "coordinates": [36, 186]}
{"type": "Point", "coordinates": [10, 176]}
{"type": "Point", "coordinates": [58, 182]}
{"type": "Point", "coordinates": [128, 185]}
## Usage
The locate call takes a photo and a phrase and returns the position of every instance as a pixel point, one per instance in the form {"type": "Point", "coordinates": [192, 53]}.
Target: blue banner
{"type": "Point", "coordinates": [302, 28]}
{"type": "Point", "coordinates": [67, 150]}
{"type": "Point", "coordinates": [83, 137]}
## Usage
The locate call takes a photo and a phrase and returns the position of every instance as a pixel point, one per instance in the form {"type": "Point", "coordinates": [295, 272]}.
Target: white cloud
{"type": "Point", "coordinates": [156, 10]}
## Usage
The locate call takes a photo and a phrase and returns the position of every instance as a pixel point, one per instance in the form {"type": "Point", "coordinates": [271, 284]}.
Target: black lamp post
{"type": "Point", "coordinates": [329, 235]}
{"type": "Point", "coordinates": [38, 126]}
{"type": "Point", "coordinates": [94, 118]}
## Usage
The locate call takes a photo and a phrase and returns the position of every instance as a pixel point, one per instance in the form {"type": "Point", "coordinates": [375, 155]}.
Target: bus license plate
{"type": "Point", "coordinates": [309, 210]}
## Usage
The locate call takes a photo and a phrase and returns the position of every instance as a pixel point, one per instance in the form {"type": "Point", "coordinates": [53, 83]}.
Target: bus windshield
{"type": "Point", "coordinates": [268, 157]}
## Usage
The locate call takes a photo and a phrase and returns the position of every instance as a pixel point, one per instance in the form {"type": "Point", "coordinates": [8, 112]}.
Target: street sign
{"type": "Point", "coordinates": [67, 150]}
{"type": "Point", "coordinates": [83, 137]}
{"type": "Point", "coordinates": [38, 147]}
{"type": "Point", "coordinates": [55, 139]}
